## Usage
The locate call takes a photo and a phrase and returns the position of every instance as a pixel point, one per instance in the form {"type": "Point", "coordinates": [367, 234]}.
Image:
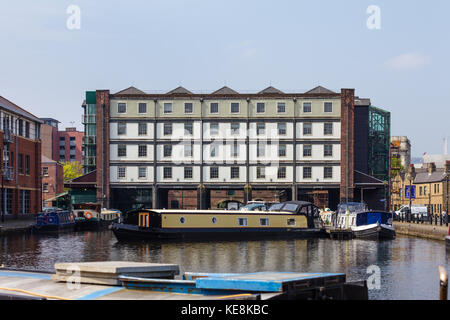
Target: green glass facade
{"type": "Point", "coordinates": [90, 132]}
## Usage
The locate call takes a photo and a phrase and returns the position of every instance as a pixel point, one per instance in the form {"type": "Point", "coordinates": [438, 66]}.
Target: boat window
{"type": "Point", "coordinates": [264, 221]}
{"type": "Point", "coordinates": [290, 207]}
{"type": "Point", "coordinates": [291, 222]}
{"type": "Point", "coordinates": [182, 220]}
{"type": "Point", "coordinates": [242, 222]}
{"type": "Point", "coordinates": [214, 220]}
{"type": "Point", "coordinates": [276, 206]}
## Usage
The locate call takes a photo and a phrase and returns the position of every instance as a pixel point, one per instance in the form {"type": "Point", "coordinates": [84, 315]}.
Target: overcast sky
{"type": "Point", "coordinates": [402, 67]}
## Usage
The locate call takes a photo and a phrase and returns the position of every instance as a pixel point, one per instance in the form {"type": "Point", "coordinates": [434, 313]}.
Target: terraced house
{"type": "Point", "coordinates": [20, 144]}
{"type": "Point", "coordinates": [193, 150]}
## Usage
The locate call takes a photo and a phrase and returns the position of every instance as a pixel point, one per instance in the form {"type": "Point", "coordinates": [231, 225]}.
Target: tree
{"type": "Point", "coordinates": [396, 166]}
{"type": "Point", "coordinates": [72, 170]}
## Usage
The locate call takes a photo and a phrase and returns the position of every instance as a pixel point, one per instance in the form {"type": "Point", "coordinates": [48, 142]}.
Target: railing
{"type": "Point", "coordinates": [88, 118]}
{"type": "Point", "coordinates": [8, 136]}
{"type": "Point", "coordinates": [8, 173]}
{"type": "Point", "coordinates": [436, 219]}
{"type": "Point", "coordinates": [87, 140]}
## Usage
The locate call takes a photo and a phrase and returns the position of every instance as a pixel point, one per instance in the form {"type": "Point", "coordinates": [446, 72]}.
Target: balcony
{"type": "Point", "coordinates": [8, 173]}
{"type": "Point", "coordinates": [89, 140]}
{"type": "Point", "coordinates": [88, 118]}
{"type": "Point", "coordinates": [8, 136]}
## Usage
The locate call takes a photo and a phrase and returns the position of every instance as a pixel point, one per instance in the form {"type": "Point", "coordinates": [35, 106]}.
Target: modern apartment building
{"type": "Point", "coordinates": [20, 150]}
{"type": "Point", "coordinates": [70, 145]}
{"type": "Point", "coordinates": [190, 150]}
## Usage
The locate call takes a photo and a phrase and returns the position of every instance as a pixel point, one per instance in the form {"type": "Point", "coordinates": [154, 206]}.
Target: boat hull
{"type": "Point", "coordinates": [374, 232]}
{"type": "Point", "coordinates": [126, 232]}
{"type": "Point", "coordinates": [447, 242]}
{"type": "Point", "coordinates": [54, 228]}
{"type": "Point", "coordinates": [93, 224]}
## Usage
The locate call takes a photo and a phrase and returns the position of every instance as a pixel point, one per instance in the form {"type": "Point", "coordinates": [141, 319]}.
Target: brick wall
{"type": "Point", "coordinates": [103, 190]}
{"type": "Point", "coordinates": [347, 144]}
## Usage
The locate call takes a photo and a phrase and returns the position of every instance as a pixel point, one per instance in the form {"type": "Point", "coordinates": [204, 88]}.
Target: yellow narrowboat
{"type": "Point", "coordinates": [292, 219]}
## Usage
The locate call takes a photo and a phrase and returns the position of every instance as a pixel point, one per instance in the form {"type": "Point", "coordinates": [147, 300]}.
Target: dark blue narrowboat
{"type": "Point", "coordinates": [54, 222]}
{"type": "Point", "coordinates": [365, 223]}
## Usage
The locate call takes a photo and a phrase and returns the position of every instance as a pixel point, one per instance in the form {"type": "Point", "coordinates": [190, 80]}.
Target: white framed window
{"type": "Point", "coordinates": [307, 128]}
{"type": "Point", "coordinates": [121, 172]}
{"type": "Point", "coordinates": [235, 128]}
{"type": "Point", "coordinates": [260, 128]}
{"type": "Point", "coordinates": [214, 107]}
{"type": "Point", "coordinates": [142, 107]}
{"type": "Point", "coordinates": [121, 128]}
{"type": "Point", "coordinates": [121, 107]}
{"type": "Point", "coordinates": [214, 172]}
{"type": "Point", "coordinates": [328, 107]}
{"type": "Point", "coordinates": [189, 128]}
{"type": "Point", "coordinates": [264, 222]}
{"type": "Point", "coordinates": [328, 172]}
{"type": "Point", "coordinates": [242, 222]}
{"type": "Point", "coordinates": [235, 108]}
{"type": "Point", "coordinates": [281, 174]}
{"type": "Point", "coordinates": [142, 172]}
{"type": "Point", "coordinates": [260, 107]}
{"type": "Point", "coordinates": [168, 108]}
{"type": "Point", "coordinates": [188, 107]}
{"type": "Point", "coordinates": [281, 107]}
{"type": "Point", "coordinates": [214, 128]}
{"type": "Point", "coordinates": [307, 107]}
{"type": "Point", "coordinates": [328, 128]}
{"type": "Point", "coordinates": [282, 150]}
{"type": "Point", "coordinates": [260, 172]}
{"type": "Point", "coordinates": [282, 129]}
{"type": "Point", "coordinates": [142, 150]}
{"type": "Point", "coordinates": [142, 129]}
{"type": "Point", "coordinates": [167, 129]}
{"type": "Point", "coordinates": [307, 172]}
{"type": "Point", "coordinates": [188, 172]}
{"type": "Point", "coordinates": [234, 172]}
{"type": "Point", "coordinates": [328, 150]}
{"type": "Point", "coordinates": [167, 150]}
{"type": "Point", "coordinates": [122, 150]}
{"type": "Point", "coordinates": [307, 150]}
{"type": "Point", "coordinates": [167, 172]}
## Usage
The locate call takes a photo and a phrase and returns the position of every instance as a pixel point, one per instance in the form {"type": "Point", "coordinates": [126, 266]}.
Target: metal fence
{"type": "Point", "coordinates": [433, 219]}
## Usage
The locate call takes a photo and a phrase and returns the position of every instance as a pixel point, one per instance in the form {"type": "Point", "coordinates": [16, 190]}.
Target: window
{"type": "Point", "coordinates": [188, 150]}
{"type": "Point", "coordinates": [328, 128]}
{"type": "Point", "coordinates": [121, 108]}
{"type": "Point", "coordinates": [167, 150]}
{"type": "Point", "coordinates": [290, 222]}
{"type": "Point", "coordinates": [27, 129]}
{"type": "Point", "coordinates": [20, 159]}
{"type": "Point", "coordinates": [167, 172]}
{"type": "Point", "coordinates": [425, 191]}
{"type": "Point", "coordinates": [214, 107]}
{"type": "Point", "coordinates": [142, 150]}
{"type": "Point", "coordinates": [282, 150]}
{"type": "Point", "coordinates": [420, 191]}
{"type": "Point", "coordinates": [213, 151]}
{"type": "Point", "coordinates": [168, 107]}
{"type": "Point", "coordinates": [263, 222]}
{"type": "Point", "coordinates": [260, 172]}
{"type": "Point", "coordinates": [328, 150]}
{"type": "Point", "coordinates": [281, 107]}
{"type": "Point", "coordinates": [214, 172]}
{"type": "Point", "coordinates": [167, 129]}
{"type": "Point", "coordinates": [282, 129]}
{"type": "Point", "coordinates": [20, 127]}
{"type": "Point", "coordinates": [25, 200]}
{"type": "Point", "coordinates": [121, 172]}
{"type": "Point", "coordinates": [242, 222]}
{"type": "Point", "coordinates": [27, 164]}
{"type": "Point", "coordinates": [122, 150]}
{"type": "Point", "coordinates": [142, 172]}
{"type": "Point", "coordinates": [45, 187]}
{"type": "Point", "coordinates": [307, 107]}
{"type": "Point", "coordinates": [307, 128]}
{"type": "Point", "coordinates": [234, 172]}
{"type": "Point", "coordinates": [214, 128]}
{"type": "Point", "coordinates": [260, 107]}
{"type": "Point", "coordinates": [328, 107]}
{"type": "Point", "coordinates": [188, 127]}
{"type": "Point", "coordinates": [188, 172]}
{"type": "Point", "coordinates": [234, 107]}
{"type": "Point", "coordinates": [307, 172]}
{"type": "Point", "coordinates": [307, 150]}
{"type": "Point", "coordinates": [328, 172]}
{"type": "Point", "coordinates": [260, 149]}
{"type": "Point", "coordinates": [235, 128]}
{"type": "Point", "coordinates": [45, 171]}
{"type": "Point", "coordinates": [281, 174]}
{"type": "Point", "coordinates": [235, 150]}
{"type": "Point", "coordinates": [142, 107]}
{"type": "Point", "coordinates": [121, 128]}
{"type": "Point", "coordinates": [142, 129]}
{"type": "Point", "coordinates": [188, 107]}
{"type": "Point", "coordinates": [260, 128]}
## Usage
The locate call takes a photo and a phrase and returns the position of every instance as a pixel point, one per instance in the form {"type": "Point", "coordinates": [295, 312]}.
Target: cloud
{"type": "Point", "coordinates": [408, 61]}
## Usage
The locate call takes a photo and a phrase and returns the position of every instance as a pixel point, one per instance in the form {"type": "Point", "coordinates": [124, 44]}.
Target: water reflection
{"type": "Point", "coordinates": [408, 265]}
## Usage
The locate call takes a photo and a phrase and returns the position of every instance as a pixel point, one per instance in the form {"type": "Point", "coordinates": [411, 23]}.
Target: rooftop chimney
{"type": "Point", "coordinates": [431, 167]}
{"type": "Point", "coordinates": [447, 166]}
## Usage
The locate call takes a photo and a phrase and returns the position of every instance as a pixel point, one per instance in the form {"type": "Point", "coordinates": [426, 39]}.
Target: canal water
{"type": "Point", "coordinates": [405, 268]}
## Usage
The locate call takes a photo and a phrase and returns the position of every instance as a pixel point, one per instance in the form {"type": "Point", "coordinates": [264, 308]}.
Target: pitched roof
{"type": "Point", "coordinates": [225, 90]}
{"type": "Point", "coordinates": [44, 159]}
{"type": "Point", "coordinates": [131, 90]}
{"type": "Point", "coordinates": [270, 89]}
{"type": "Point", "coordinates": [363, 178]}
{"type": "Point", "coordinates": [425, 177]}
{"type": "Point", "coordinates": [179, 90]}
{"type": "Point", "coordinates": [321, 90]}
{"type": "Point", "coordinates": [5, 103]}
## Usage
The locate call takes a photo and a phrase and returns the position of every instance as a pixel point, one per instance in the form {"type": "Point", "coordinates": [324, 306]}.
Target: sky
{"type": "Point", "coordinates": [397, 56]}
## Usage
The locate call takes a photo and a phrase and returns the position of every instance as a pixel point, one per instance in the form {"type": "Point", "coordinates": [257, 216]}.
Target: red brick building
{"type": "Point", "coordinates": [20, 144]}
{"type": "Point", "coordinates": [52, 180]}
{"type": "Point", "coordinates": [70, 145]}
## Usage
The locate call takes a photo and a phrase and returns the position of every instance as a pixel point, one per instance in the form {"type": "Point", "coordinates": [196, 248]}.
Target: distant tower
{"type": "Point", "coordinates": [446, 145]}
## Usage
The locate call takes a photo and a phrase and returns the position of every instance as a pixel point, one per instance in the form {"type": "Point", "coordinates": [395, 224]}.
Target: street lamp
{"type": "Point", "coordinates": [410, 176]}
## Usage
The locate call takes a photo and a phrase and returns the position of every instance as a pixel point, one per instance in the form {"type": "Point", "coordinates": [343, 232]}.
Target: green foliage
{"type": "Point", "coordinates": [72, 170]}
{"type": "Point", "coordinates": [396, 166]}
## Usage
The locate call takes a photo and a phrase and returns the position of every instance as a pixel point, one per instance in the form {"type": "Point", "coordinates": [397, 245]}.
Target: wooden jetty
{"type": "Point", "coordinates": [340, 234]}
{"type": "Point", "coordinates": [149, 281]}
